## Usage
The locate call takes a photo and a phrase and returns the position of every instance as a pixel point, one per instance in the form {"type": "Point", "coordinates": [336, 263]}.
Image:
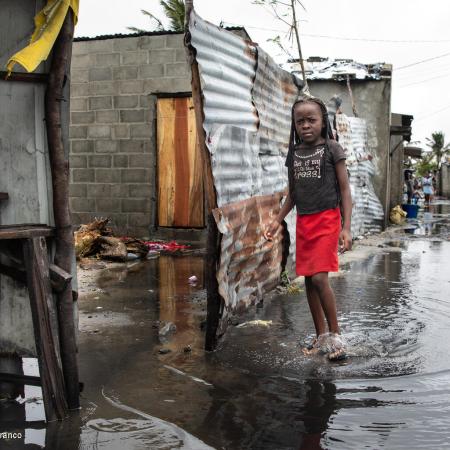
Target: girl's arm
{"type": "Point", "coordinates": [345, 237]}
{"type": "Point", "coordinates": [270, 231]}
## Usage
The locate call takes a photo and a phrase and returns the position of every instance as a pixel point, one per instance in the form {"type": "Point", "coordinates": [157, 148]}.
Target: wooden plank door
{"type": "Point", "coordinates": [180, 173]}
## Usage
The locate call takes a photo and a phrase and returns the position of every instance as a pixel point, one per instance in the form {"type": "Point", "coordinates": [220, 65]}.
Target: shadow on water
{"type": "Point", "coordinates": [258, 391]}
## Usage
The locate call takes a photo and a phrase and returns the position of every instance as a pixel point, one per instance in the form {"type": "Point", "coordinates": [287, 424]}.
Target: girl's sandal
{"type": "Point", "coordinates": [311, 349]}
{"type": "Point", "coordinates": [338, 355]}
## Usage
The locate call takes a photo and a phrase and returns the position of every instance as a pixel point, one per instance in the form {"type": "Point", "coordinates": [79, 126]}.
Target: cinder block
{"type": "Point", "coordinates": [143, 161]}
{"type": "Point", "coordinates": [80, 48]}
{"type": "Point", "coordinates": [140, 191]}
{"type": "Point", "coordinates": [151, 71]}
{"type": "Point", "coordinates": [107, 175]}
{"type": "Point", "coordinates": [100, 74]}
{"type": "Point", "coordinates": [135, 176]}
{"type": "Point", "coordinates": [100, 161]}
{"type": "Point", "coordinates": [104, 102]}
{"type": "Point", "coordinates": [119, 190]}
{"type": "Point", "coordinates": [103, 88]}
{"type": "Point", "coordinates": [161, 56]}
{"type": "Point", "coordinates": [78, 161]}
{"type": "Point", "coordinates": [139, 232]}
{"type": "Point", "coordinates": [77, 132]}
{"type": "Point", "coordinates": [79, 89]}
{"type": "Point", "coordinates": [99, 131]}
{"type": "Point", "coordinates": [79, 75]}
{"type": "Point", "coordinates": [83, 175]}
{"type": "Point", "coordinates": [81, 146]}
{"type": "Point", "coordinates": [107, 59]}
{"type": "Point", "coordinates": [132, 115]}
{"type": "Point", "coordinates": [141, 131]}
{"type": "Point", "coordinates": [180, 56]}
{"type": "Point", "coordinates": [134, 58]}
{"type": "Point", "coordinates": [78, 204]}
{"type": "Point", "coordinates": [120, 161]}
{"type": "Point", "coordinates": [125, 73]}
{"type": "Point", "coordinates": [106, 146]}
{"type": "Point", "coordinates": [99, 190]}
{"type": "Point", "coordinates": [131, 146]}
{"type": "Point", "coordinates": [107, 116]}
{"type": "Point", "coordinates": [121, 131]}
{"type": "Point", "coordinates": [168, 85]}
{"type": "Point", "coordinates": [146, 101]}
{"type": "Point", "coordinates": [82, 217]}
{"type": "Point", "coordinates": [175, 40]}
{"type": "Point", "coordinates": [100, 45]}
{"type": "Point", "coordinates": [135, 205]}
{"type": "Point", "coordinates": [177, 70]}
{"type": "Point", "coordinates": [77, 190]}
{"type": "Point", "coordinates": [131, 87]}
{"type": "Point", "coordinates": [126, 101]}
{"type": "Point", "coordinates": [150, 145]}
{"type": "Point", "coordinates": [77, 118]}
{"type": "Point", "coordinates": [125, 44]}
{"type": "Point", "coordinates": [108, 206]}
{"type": "Point", "coordinates": [82, 61]}
{"type": "Point", "coordinates": [151, 42]}
{"type": "Point", "coordinates": [78, 104]}
{"type": "Point", "coordinates": [138, 220]}
{"type": "Point", "coordinates": [119, 222]}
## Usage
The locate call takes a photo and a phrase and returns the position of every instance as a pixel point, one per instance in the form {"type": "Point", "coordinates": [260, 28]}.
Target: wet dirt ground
{"type": "Point", "coordinates": [258, 391]}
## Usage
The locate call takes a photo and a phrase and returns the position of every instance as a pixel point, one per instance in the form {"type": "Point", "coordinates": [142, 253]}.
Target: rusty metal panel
{"type": "Point", "coordinates": [249, 265]}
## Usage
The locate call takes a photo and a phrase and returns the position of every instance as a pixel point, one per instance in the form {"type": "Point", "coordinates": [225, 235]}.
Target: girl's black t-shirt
{"type": "Point", "coordinates": [312, 176]}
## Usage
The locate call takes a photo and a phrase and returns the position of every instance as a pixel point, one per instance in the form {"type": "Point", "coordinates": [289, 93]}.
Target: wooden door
{"type": "Point", "coordinates": [180, 172]}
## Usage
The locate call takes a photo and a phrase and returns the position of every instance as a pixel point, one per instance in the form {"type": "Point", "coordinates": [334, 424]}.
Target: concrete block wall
{"type": "Point", "coordinates": [114, 87]}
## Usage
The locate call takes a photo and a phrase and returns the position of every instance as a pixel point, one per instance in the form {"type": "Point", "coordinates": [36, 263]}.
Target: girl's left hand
{"type": "Point", "coordinates": [345, 241]}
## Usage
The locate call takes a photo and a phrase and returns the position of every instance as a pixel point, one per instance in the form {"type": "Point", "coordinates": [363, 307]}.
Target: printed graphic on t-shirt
{"type": "Point", "coordinates": [308, 166]}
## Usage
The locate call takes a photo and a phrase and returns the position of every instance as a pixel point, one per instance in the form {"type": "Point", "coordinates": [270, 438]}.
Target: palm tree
{"type": "Point", "coordinates": [174, 11]}
{"type": "Point", "coordinates": [438, 147]}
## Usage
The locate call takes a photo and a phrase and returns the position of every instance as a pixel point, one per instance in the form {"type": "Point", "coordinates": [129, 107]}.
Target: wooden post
{"type": "Point", "coordinates": [50, 368]}
{"type": "Point", "coordinates": [58, 76]}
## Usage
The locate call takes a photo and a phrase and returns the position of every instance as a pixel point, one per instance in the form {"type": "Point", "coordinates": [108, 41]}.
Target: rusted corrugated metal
{"type": "Point", "coordinates": [247, 100]}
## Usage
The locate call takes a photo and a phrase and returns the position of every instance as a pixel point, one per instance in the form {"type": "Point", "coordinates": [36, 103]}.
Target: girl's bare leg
{"type": "Point", "coordinates": [315, 307]}
{"type": "Point", "coordinates": [327, 300]}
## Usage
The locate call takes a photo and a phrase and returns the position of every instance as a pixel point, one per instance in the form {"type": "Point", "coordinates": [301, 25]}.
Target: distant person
{"type": "Point", "coordinates": [318, 185]}
{"type": "Point", "coordinates": [427, 187]}
{"type": "Point", "coordinates": [409, 186]}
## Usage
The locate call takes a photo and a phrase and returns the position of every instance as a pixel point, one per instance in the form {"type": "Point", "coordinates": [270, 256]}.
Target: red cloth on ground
{"type": "Point", "coordinates": [317, 242]}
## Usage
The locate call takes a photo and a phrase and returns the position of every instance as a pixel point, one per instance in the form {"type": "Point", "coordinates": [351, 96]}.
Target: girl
{"type": "Point", "coordinates": [318, 187]}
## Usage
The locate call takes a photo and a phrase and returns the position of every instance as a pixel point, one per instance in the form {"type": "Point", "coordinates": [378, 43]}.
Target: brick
{"type": "Point", "coordinates": [99, 131]}
{"type": "Point", "coordinates": [147, 101]}
{"type": "Point", "coordinates": [119, 190]}
{"type": "Point", "coordinates": [132, 115]}
{"type": "Point", "coordinates": [126, 101]}
{"type": "Point", "coordinates": [140, 190]}
{"type": "Point", "coordinates": [118, 221]}
{"type": "Point", "coordinates": [107, 175]}
{"type": "Point", "coordinates": [79, 75]}
{"type": "Point", "coordinates": [143, 161]}
{"type": "Point", "coordinates": [135, 205]}
{"type": "Point", "coordinates": [77, 132]}
{"type": "Point", "coordinates": [107, 59]}
{"type": "Point", "coordinates": [99, 190]}
{"type": "Point", "coordinates": [141, 131]}
{"type": "Point", "coordinates": [79, 89]}
{"type": "Point", "coordinates": [132, 87]}
{"type": "Point", "coordinates": [161, 56]}
{"type": "Point", "coordinates": [177, 70]}
{"type": "Point", "coordinates": [125, 73]}
{"type": "Point", "coordinates": [100, 74]}
{"type": "Point", "coordinates": [82, 146]}
{"type": "Point", "coordinates": [150, 115]}
{"type": "Point", "coordinates": [104, 102]}
{"type": "Point", "coordinates": [79, 204]}
{"type": "Point", "coordinates": [83, 175]}
{"type": "Point", "coordinates": [125, 44]}
{"type": "Point", "coordinates": [108, 205]}
{"type": "Point", "coordinates": [150, 42]}
{"type": "Point", "coordinates": [100, 46]}
{"type": "Point", "coordinates": [121, 131]}
{"type": "Point", "coordinates": [78, 161]}
{"type": "Point", "coordinates": [138, 220]}
{"type": "Point", "coordinates": [131, 146]}
{"type": "Point", "coordinates": [82, 117]}
{"type": "Point", "coordinates": [100, 161]}
{"type": "Point", "coordinates": [106, 146]}
{"type": "Point", "coordinates": [134, 58]}
{"type": "Point", "coordinates": [175, 40]}
{"type": "Point", "coordinates": [168, 85]}
{"type": "Point", "coordinates": [77, 190]}
{"type": "Point", "coordinates": [135, 176]}
{"type": "Point", "coordinates": [82, 61]}
{"type": "Point", "coordinates": [180, 56]}
{"type": "Point", "coordinates": [120, 161]}
{"type": "Point", "coordinates": [151, 71]}
{"type": "Point", "coordinates": [78, 104]}
{"type": "Point", "coordinates": [105, 116]}
{"type": "Point", "coordinates": [103, 88]}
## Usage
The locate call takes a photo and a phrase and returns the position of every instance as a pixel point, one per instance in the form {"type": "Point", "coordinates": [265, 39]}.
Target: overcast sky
{"type": "Point", "coordinates": [398, 32]}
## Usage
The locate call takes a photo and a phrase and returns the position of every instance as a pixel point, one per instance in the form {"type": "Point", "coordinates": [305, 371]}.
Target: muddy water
{"type": "Point", "coordinates": [258, 391]}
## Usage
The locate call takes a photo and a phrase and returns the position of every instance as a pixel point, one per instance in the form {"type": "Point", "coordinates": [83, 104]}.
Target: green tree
{"type": "Point", "coordinates": [438, 147]}
{"type": "Point", "coordinates": [174, 10]}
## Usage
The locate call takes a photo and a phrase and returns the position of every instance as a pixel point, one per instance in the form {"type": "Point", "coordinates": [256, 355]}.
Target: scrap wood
{"type": "Point", "coordinates": [112, 248]}
{"type": "Point", "coordinates": [136, 246]}
{"type": "Point", "coordinates": [86, 237]}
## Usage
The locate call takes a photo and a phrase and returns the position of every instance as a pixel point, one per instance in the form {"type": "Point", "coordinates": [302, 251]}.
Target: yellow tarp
{"type": "Point", "coordinates": [48, 23]}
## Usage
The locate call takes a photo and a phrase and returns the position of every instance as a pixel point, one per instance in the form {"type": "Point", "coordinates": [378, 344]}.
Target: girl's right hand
{"type": "Point", "coordinates": [271, 229]}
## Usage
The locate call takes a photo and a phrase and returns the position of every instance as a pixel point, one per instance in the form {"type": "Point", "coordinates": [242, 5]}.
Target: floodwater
{"type": "Point", "coordinates": [258, 391]}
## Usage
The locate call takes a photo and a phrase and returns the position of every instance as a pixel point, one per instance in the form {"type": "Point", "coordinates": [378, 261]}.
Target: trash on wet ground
{"type": "Point", "coordinates": [166, 329]}
{"type": "Point", "coordinates": [397, 215]}
{"type": "Point", "coordinates": [255, 323]}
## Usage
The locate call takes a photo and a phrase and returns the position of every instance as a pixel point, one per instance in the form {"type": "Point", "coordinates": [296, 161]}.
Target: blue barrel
{"type": "Point", "coordinates": [411, 210]}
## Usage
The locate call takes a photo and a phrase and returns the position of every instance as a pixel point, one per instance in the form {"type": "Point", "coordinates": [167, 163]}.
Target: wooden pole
{"type": "Point", "coordinates": [58, 76]}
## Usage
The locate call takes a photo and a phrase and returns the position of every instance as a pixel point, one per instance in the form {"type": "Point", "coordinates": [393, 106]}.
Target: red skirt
{"type": "Point", "coordinates": [317, 242]}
